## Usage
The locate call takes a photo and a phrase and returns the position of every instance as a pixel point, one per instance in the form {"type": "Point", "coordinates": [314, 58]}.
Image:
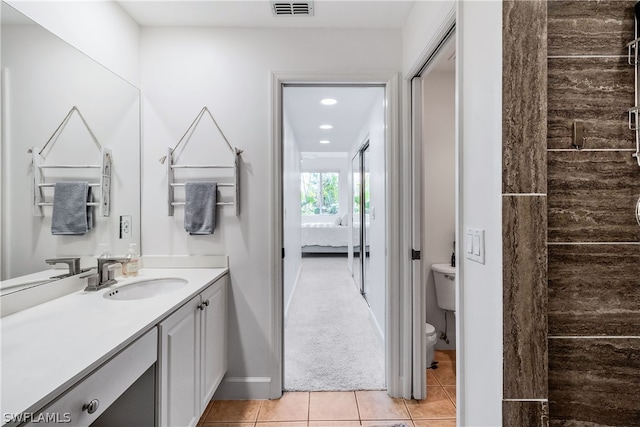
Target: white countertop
{"type": "Point", "coordinates": [47, 348]}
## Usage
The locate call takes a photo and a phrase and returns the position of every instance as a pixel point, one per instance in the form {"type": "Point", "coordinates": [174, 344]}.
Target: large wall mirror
{"type": "Point", "coordinates": [43, 78]}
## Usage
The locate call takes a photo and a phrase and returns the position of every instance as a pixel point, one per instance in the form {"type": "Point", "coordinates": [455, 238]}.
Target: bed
{"type": "Point", "coordinates": [325, 237]}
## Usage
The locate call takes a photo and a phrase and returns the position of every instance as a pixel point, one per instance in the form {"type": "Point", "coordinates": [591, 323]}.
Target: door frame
{"type": "Point", "coordinates": [413, 88]}
{"type": "Point", "coordinates": [397, 337]}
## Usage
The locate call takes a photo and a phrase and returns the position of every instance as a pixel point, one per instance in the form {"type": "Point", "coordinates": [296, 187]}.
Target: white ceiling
{"type": "Point", "coordinates": [304, 114]}
{"type": "Point", "coordinates": [257, 13]}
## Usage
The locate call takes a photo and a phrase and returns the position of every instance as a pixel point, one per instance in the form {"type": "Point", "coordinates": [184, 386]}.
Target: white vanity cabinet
{"type": "Point", "coordinates": [193, 355]}
{"type": "Point", "coordinates": [84, 403]}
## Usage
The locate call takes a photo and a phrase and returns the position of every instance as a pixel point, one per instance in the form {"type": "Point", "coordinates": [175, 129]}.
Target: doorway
{"type": "Point", "coordinates": [333, 338]}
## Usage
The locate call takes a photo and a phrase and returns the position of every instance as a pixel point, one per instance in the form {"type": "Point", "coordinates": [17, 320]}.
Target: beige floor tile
{"type": "Point", "coordinates": [445, 355]}
{"type": "Point", "coordinates": [451, 392]}
{"type": "Point", "coordinates": [446, 373]}
{"type": "Point", "coordinates": [233, 411]}
{"type": "Point", "coordinates": [335, 406]}
{"type": "Point", "coordinates": [206, 411]}
{"type": "Point", "coordinates": [226, 424]}
{"type": "Point", "coordinates": [449, 422]}
{"type": "Point", "coordinates": [283, 424]}
{"type": "Point", "coordinates": [436, 405]}
{"type": "Point", "coordinates": [431, 378]}
{"type": "Point", "coordinates": [292, 406]}
{"type": "Point", "coordinates": [334, 423]}
{"type": "Point", "coordinates": [377, 405]}
{"type": "Point", "coordinates": [388, 423]}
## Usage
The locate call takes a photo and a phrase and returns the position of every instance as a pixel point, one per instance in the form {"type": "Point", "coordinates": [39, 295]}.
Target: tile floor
{"type": "Point", "coordinates": [346, 409]}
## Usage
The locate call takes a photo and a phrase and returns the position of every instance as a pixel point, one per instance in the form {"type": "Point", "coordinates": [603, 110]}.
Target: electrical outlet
{"type": "Point", "coordinates": [125, 226]}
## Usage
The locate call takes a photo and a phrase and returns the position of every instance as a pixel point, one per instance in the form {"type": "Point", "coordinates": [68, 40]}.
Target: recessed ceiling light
{"type": "Point", "coordinates": [328, 101]}
{"type": "Point", "coordinates": [325, 141]}
{"type": "Point", "coordinates": [326, 127]}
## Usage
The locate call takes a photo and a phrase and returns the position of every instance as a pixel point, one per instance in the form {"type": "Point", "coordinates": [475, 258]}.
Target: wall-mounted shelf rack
{"type": "Point", "coordinates": [634, 112]}
{"type": "Point", "coordinates": [171, 167]}
{"type": "Point", "coordinates": [104, 182]}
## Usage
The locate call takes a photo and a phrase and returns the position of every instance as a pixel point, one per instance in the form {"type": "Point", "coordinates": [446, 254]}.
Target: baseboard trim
{"type": "Point", "coordinates": [243, 388]}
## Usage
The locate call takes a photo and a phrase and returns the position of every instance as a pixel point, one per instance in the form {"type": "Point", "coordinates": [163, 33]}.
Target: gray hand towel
{"type": "Point", "coordinates": [71, 215]}
{"type": "Point", "coordinates": [200, 207]}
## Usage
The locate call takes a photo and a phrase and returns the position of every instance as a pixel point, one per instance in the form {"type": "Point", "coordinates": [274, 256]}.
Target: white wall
{"type": "Point", "coordinates": [292, 217]}
{"type": "Point", "coordinates": [421, 29]}
{"type": "Point", "coordinates": [374, 130]}
{"type": "Point", "coordinates": [479, 57]}
{"type": "Point", "coordinates": [100, 29]}
{"type": "Point", "coordinates": [230, 70]}
{"type": "Point", "coordinates": [439, 176]}
{"type": "Point", "coordinates": [45, 78]}
{"type": "Point", "coordinates": [330, 164]}
{"type": "Point", "coordinates": [479, 127]}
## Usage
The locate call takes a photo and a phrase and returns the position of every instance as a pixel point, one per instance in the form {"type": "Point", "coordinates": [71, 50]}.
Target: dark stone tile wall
{"type": "Point", "coordinates": [594, 240]}
{"type": "Point", "coordinates": [525, 413]}
{"type": "Point", "coordinates": [594, 381]}
{"type": "Point", "coordinates": [594, 290]}
{"type": "Point", "coordinates": [524, 206]}
{"type": "Point", "coordinates": [597, 91]}
{"type": "Point", "coordinates": [525, 297]}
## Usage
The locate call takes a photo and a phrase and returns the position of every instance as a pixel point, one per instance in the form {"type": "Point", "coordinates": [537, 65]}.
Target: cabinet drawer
{"type": "Point", "coordinates": [104, 385]}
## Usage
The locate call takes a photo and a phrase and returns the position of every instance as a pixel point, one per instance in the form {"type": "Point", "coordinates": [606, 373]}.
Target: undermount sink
{"type": "Point", "coordinates": [145, 289]}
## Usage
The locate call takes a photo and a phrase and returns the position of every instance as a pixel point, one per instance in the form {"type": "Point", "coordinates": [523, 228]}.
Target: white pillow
{"type": "Point", "coordinates": [344, 219]}
{"type": "Point", "coordinates": [337, 220]}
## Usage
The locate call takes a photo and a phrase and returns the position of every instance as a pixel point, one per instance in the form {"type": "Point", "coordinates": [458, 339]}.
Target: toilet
{"type": "Point", "coordinates": [430, 342]}
{"type": "Point", "coordinates": [445, 279]}
{"type": "Point", "coordinates": [445, 282]}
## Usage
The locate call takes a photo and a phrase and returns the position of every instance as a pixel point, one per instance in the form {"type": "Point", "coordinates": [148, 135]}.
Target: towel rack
{"type": "Point", "coordinates": [38, 165]}
{"type": "Point", "coordinates": [171, 167]}
{"type": "Point", "coordinates": [633, 48]}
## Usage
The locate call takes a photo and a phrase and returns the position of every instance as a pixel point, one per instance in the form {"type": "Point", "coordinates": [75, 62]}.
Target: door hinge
{"type": "Point", "coordinates": [415, 255]}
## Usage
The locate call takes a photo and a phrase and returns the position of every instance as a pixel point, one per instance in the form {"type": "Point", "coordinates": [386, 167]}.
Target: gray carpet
{"type": "Point", "coordinates": [330, 343]}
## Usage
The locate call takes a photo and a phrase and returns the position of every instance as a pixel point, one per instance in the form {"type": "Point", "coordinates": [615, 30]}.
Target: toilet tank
{"type": "Point", "coordinates": [445, 280]}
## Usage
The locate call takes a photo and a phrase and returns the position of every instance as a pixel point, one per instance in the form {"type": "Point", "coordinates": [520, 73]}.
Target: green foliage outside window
{"type": "Point", "coordinates": [320, 193]}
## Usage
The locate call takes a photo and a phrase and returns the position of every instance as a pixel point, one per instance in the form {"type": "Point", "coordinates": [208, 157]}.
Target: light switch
{"type": "Point", "coordinates": [475, 244]}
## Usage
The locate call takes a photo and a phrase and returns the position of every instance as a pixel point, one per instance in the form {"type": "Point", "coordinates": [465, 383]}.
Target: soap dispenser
{"type": "Point", "coordinates": [130, 268]}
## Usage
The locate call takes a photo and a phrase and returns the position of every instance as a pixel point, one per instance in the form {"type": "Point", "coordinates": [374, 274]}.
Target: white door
{"type": "Point", "coordinates": [180, 369]}
{"type": "Point", "coordinates": [213, 348]}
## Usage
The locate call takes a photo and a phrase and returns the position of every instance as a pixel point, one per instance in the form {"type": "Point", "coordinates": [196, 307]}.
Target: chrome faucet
{"type": "Point", "coordinates": [72, 262]}
{"type": "Point", "coordinates": [105, 275]}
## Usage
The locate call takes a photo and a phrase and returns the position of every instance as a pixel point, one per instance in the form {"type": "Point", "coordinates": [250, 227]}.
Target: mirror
{"type": "Point", "coordinates": [43, 78]}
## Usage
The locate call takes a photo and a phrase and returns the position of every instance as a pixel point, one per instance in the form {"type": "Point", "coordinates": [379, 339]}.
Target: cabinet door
{"type": "Point", "coordinates": [180, 369]}
{"type": "Point", "coordinates": [214, 339]}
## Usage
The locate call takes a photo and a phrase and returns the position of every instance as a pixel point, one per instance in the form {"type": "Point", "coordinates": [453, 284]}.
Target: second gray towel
{"type": "Point", "coordinates": [200, 207]}
{"type": "Point", "coordinates": [71, 215]}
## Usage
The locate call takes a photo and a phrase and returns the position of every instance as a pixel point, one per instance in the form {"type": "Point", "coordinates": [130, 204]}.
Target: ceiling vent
{"type": "Point", "coordinates": [298, 8]}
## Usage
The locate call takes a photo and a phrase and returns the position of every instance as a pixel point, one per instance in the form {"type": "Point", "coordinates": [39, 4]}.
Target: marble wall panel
{"type": "Point", "coordinates": [596, 91]}
{"type": "Point", "coordinates": [594, 382]}
{"type": "Point", "coordinates": [523, 413]}
{"type": "Point", "coordinates": [524, 297]}
{"type": "Point", "coordinates": [524, 100]}
{"type": "Point", "coordinates": [592, 196]}
{"type": "Point", "coordinates": [594, 290]}
{"type": "Point", "coordinates": [590, 27]}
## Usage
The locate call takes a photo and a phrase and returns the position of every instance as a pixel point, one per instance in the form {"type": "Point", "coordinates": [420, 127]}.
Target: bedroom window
{"type": "Point", "coordinates": [320, 193]}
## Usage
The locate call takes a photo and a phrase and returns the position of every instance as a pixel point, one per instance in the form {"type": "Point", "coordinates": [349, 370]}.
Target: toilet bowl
{"type": "Point", "coordinates": [430, 342]}
{"type": "Point", "coordinates": [445, 280]}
